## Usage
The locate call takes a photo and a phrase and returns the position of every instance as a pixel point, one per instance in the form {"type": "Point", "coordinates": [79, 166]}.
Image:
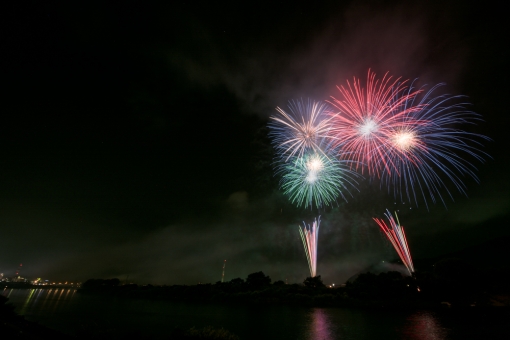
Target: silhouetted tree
{"type": "Point", "coordinates": [237, 281]}
{"type": "Point", "coordinates": [314, 282]}
{"type": "Point", "coordinates": [457, 280]}
{"type": "Point", "coordinates": [453, 269]}
{"type": "Point", "coordinates": [258, 280]}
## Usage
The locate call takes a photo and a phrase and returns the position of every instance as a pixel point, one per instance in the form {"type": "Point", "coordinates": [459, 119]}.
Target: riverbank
{"type": "Point", "coordinates": [386, 290]}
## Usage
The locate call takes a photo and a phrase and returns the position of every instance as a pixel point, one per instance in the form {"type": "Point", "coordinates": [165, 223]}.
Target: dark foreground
{"type": "Point", "coordinates": [446, 297]}
{"type": "Point", "coordinates": [13, 326]}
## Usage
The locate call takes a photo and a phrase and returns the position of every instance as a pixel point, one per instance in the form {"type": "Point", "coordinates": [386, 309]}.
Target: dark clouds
{"type": "Point", "coordinates": [308, 57]}
{"type": "Point", "coordinates": [134, 139]}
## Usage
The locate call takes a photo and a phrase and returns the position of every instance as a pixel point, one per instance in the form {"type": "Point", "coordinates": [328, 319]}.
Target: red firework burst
{"type": "Point", "coordinates": [372, 120]}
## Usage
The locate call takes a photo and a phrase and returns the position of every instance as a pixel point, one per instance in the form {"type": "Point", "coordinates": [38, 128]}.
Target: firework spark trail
{"type": "Point", "coordinates": [405, 137]}
{"type": "Point", "coordinates": [304, 128]}
{"type": "Point", "coordinates": [395, 233]}
{"type": "Point", "coordinates": [310, 236]}
{"type": "Point", "coordinates": [316, 180]}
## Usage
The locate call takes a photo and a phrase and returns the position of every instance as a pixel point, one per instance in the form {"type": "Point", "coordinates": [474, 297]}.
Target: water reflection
{"type": "Point", "coordinates": [320, 325]}
{"type": "Point", "coordinates": [423, 326]}
{"type": "Point", "coordinates": [71, 313]}
{"type": "Point", "coordinates": [27, 301]}
{"type": "Point", "coordinates": [48, 293]}
{"type": "Point", "coordinates": [7, 292]}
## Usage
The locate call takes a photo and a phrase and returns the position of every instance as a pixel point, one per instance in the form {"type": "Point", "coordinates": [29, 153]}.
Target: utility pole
{"type": "Point", "coordinates": [223, 274]}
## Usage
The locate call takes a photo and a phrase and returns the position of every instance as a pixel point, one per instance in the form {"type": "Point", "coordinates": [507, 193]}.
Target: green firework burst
{"type": "Point", "coordinates": [315, 179]}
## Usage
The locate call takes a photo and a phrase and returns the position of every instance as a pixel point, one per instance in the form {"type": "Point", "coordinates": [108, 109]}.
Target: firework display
{"type": "Point", "coordinates": [406, 137]}
{"type": "Point", "coordinates": [395, 233]}
{"type": "Point", "coordinates": [310, 236]}
{"type": "Point", "coordinates": [302, 129]}
{"type": "Point", "coordinates": [403, 137]}
{"type": "Point", "coordinates": [315, 179]}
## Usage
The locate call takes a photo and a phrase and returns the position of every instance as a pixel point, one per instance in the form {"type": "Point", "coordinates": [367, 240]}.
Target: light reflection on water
{"type": "Point", "coordinates": [337, 323]}
{"type": "Point", "coordinates": [423, 326]}
{"type": "Point", "coordinates": [30, 301]}
{"type": "Point", "coordinates": [65, 310]}
{"type": "Point", "coordinates": [27, 301]}
{"type": "Point", "coordinates": [320, 326]}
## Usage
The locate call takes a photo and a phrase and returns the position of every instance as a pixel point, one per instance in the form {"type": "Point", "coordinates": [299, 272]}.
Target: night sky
{"type": "Point", "coordinates": [134, 137]}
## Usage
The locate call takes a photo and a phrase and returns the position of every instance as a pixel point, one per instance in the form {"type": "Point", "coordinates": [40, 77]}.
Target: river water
{"type": "Point", "coordinates": [70, 312]}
